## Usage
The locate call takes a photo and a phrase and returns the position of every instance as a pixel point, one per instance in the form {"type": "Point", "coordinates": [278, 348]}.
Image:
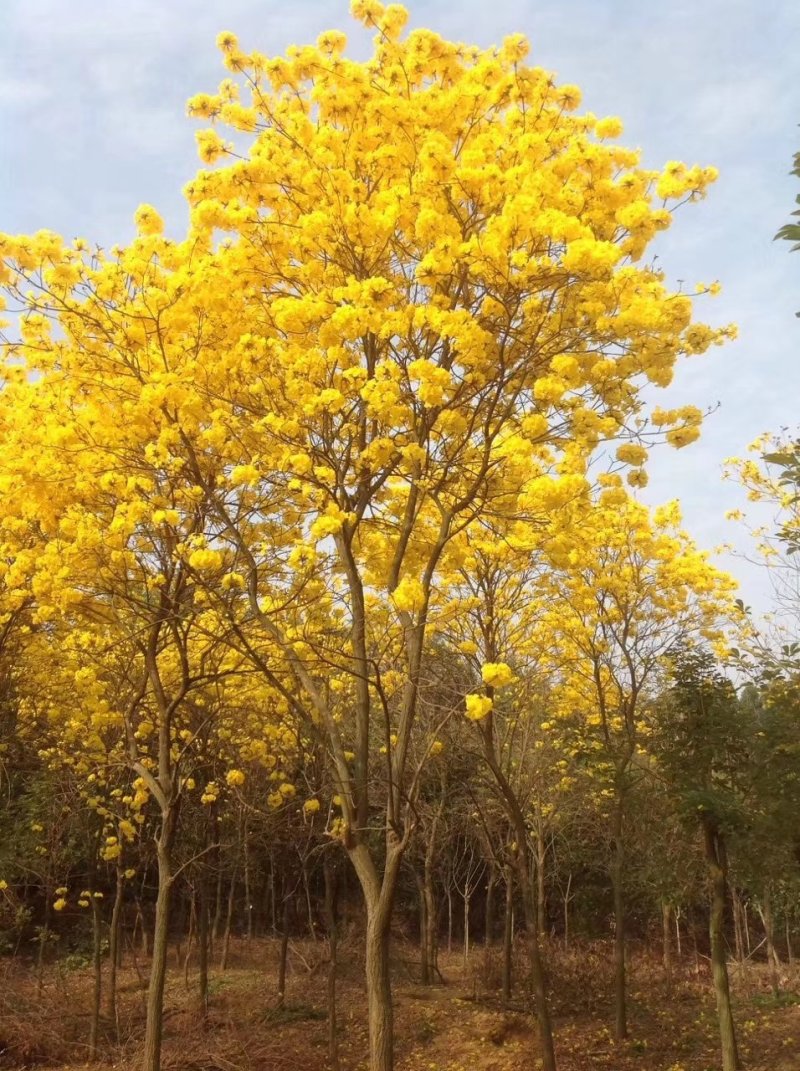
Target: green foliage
{"type": "Point", "coordinates": [703, 740]}
{"type": "Point", "coordinates": [790, 232]}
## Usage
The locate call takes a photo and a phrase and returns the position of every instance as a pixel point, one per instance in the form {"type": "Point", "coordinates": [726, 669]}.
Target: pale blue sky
{"type": "Point", "coordinates": [92, 123]}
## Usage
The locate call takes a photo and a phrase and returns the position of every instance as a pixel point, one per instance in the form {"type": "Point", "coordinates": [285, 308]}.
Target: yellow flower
{"type": "Point", "coordinates": [166, 516]}
{"type": "Point", "coordinates": [227, 41]}
{"type": "Point", "coordinates": [59, 904]}
{"type": "Point", "coordinates": [311, 806]}
{"type": "Point", "coordinates": [244, 475]}
{"type": "Point", "coordinates": [610, 127]}
{"type": "Point", "coordinates": [205, 559]}
{"type": "Point", "coordinates": [497, 674]}
{"type": "Point", "coordinates": [631, 454]}
{"type": "Point", "coordinates": [210, 793]}
{"type": "Point", "coordinates": [409, 595]}
{"type": "Point", "coordinates": [477, 706]}
{"type": "Point", "coordinates": [235, 778]}
{"type": "Point", "coordinates": [148, 221]}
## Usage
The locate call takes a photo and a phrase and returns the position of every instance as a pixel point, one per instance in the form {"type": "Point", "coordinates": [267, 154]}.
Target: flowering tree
{"type": "Point", "coordinates": [406, 313]}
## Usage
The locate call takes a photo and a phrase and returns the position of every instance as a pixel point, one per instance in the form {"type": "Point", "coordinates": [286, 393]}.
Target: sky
{"type": "Point", "coordinates": [92, 124]}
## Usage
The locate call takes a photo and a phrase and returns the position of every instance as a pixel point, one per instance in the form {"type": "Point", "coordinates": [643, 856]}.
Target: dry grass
{"type": "Point", "coordinates": [460, 1026]}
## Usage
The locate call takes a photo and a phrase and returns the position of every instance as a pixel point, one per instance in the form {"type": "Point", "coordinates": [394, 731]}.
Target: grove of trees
{"type": "Point", "coordinates": [324, 586]}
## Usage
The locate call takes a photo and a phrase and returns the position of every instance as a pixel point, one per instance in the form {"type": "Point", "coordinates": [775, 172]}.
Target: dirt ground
{"type": "Point", "coordinates": [460, 1025]}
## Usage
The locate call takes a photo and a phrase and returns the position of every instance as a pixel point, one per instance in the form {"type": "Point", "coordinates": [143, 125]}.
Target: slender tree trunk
{"type": "Point", "coordinates": [144, 935]}
{"type": "Point", "coordinates": [508, 934]}
{"type": "Point", "coordinates": [248, 900]}
{"type": "Point", "coordinates": [537, 972]}
{"type": "Point", "coordinates": [309, 909]}
{"type": "Point", "coordinates": [226, 936]}
{"type": "Point", "coordinates": [190, 937]}
{"type": "Point", "coordinates": [746, 921]}
{"type": "Point", "coordinates": [431, 922]}
{"type": "Point", "coordinates": [114, 951]}
{"type": "Point", "coordinates": [424, 961]}
{"type": "Point", "coordinates": [567, 899]}
{"type": "Point", "coordinates": [330, 925]}
{"type": "Point", "coordinates": [717, 872]}
{"type": "Point", "coordinates": [666, 934]}
{"type": "Point", "coordinates": [467, 899]}
{"type": "Point", "coordinates": [284, 953]}
{"type": "Point", "coordinates": [142, 990]}
{"type": "Point", "coordinates": [488, 924]}
{"type": "Point", "coordinates": [678, 945]}
{"type": "Point", "coordinates": [769, 934]}
{"type": "Point", "coordinates": [151, 1060]}
{"type": "Point", "coordinates": [738, 936]}
{"type": "Point", "coordinates": [203, 936]}
{"type": "Point", "coordinates": [44, 937]}
{"type": "Point", "coordinates": [97, 977]}
{"type": "Point", "coordinates": [272, 900]}
{"type": "Point", "coordinates": [218, 905]}
{"type": "Point", "coordinates": [449, 919]}
{"type": "Point", "coordinates": [541, 895]}
{"type": "Point", "coordinates": [789, 949]}
{"type": "Point", "coordinates": [617, 879]}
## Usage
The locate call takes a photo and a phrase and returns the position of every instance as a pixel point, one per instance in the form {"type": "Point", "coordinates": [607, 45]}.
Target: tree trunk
{"type": "Point", "coordinates": [541, 896]}
{"type": "Point", "coordinates": [617, 878]}
{"type": "Point", "coordinates": [97, 978]}
{"type": "Point", "coordinates": [44, 937]}
{"type": "Point", "coordinates": [508, 935]}
{"type": "Point", "coordinates": [114, 951]}
{"type": "Point", "coordinates": [467, 899]}
{"type": "Point", "coordinates": [272, 901]}
{"type": "Point", "coordinates": [309, 908]}
{"type": "Point", "coordinates": [431, 923]}
{"type": "Point", "coordinates": [449, 919]}
{"type": "Point", "coordinates": [218, 905]}
{"type": "Point", "coordinates": [284, 954]}
{"type": "Point", "coordinates": [666, 943]}
{"type": "Point", "coordinates": [378, 891]}
{"type": "Point", "coordinates": [738, 936]}
{"type": "Point", "coordinates": [190, 936]}
{"type": "Point", "coordinates": [379, 992]}
{"type": "Point", "coordinates": [424, 960]}
{"type": "Point", "coordinates": [203, 943]}
{"type": "Point", "coordinates": [330, 925]}
{"type": "Point", "coordinates": [769, 934]}
{"type": "Point", "coordinates": [226, 936]}
{"type": "Point", "coordinates": [144, 936]}
{"type": "Point", "coordinates": [488, 924]}
{"type": "Point", "coordinates": [151, 1059]}
{"type": "Point", "coordinates": [789, 949]}
{"type": "Point", "coordinates": [537, 972]}
{"type": "Point", "coordinates": [717, 871]}
{"type": "Point", "coordinates": [248, 900]}
{"type": "Point", "coordinates": [567, 899]}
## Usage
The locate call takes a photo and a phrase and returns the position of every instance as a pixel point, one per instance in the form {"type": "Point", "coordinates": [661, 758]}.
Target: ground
{"type": "Point", "coordinates": [457, 1026]}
